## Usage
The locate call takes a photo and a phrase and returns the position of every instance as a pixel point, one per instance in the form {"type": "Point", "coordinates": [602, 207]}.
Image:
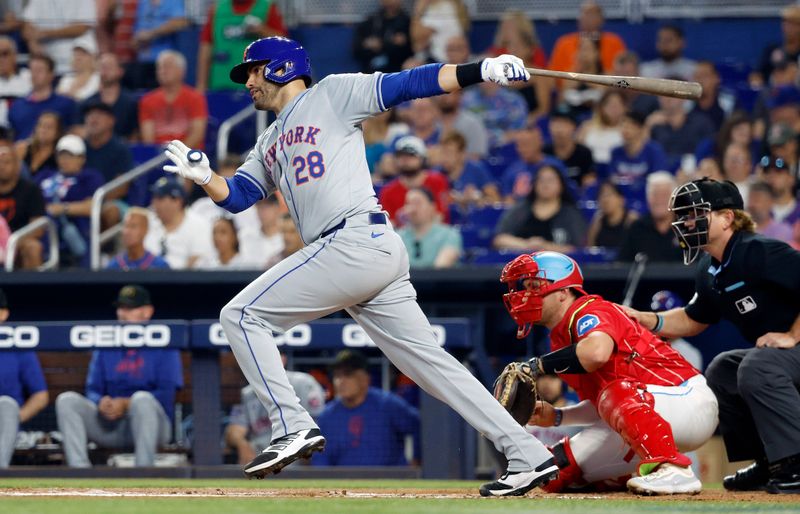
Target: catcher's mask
{"type": "Point", "coordinates": [531, 277]}
{"type": "Point", "coordinates": [691, 203]}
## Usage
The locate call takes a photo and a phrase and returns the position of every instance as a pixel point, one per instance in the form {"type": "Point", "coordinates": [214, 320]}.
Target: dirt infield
{"type": "Point", "coordinates": [167, 492]}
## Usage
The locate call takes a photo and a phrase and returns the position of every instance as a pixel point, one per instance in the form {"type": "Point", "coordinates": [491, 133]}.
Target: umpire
{"type": "Point", "coordinates": [754, 282]}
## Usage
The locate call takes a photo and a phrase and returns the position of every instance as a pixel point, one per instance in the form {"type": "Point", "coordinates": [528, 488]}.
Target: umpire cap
{"type": "Point", "coordinates": [133, 296]}
{"type": "Point", "coordinates": [278, 54]}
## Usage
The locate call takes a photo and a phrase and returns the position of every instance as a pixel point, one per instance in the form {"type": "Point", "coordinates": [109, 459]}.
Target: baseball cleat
{"type": "Point", "coordinates": [666, 479]}
{"type": "Point", "coordinates": [517, 483]}
{"type": "Point", "coordinates": [283, 451]}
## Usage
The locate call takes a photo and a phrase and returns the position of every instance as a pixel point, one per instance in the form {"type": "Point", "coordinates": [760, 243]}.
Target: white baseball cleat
{"type": "Point", "coordinates": [517, 483]}
{"type": "Point", "coordinates": [667, 479]}
{"type": "Point", "coordinates": [283, 451]}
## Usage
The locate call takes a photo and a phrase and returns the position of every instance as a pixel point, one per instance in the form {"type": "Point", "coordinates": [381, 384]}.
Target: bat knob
{"type": "Point", "coordinates": [194, 156]}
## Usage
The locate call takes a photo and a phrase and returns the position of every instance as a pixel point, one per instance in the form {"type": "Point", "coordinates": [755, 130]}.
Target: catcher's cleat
{"type": "Point", "coordinates": [517, 483]}
{"type": "Point", "coordinates": [283, 451]}
{"type": "Point", "coordinates": [666, 479]}
{"type": "Point", "coordinates": [752, 478]}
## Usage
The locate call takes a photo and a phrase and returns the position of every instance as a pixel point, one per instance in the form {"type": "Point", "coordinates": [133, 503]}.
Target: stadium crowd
{"type": "Point", "coordinates": [469, 177]}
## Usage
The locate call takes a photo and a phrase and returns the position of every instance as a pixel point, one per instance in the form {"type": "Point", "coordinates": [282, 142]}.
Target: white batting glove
{"type": "Point", "coordinates": [504, 69]}
{"type": "Point", "coordinates": [188, 163]}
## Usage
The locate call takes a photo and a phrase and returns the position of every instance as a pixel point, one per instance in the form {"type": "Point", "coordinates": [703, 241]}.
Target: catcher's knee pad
{"type": "Point", "coordinates": [569, 473]}
{"type": "Point", "coordinates": [628, 408]}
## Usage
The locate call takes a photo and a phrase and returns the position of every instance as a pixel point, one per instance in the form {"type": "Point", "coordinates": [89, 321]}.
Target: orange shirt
{"type": "Point", "coordinates": [566, 49]}
{"type": "Point", "coordinates": [172, 119]}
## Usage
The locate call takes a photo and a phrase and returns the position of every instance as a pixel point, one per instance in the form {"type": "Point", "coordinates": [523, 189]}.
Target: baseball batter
{"type": "Point", "coordinates": [353, 260]}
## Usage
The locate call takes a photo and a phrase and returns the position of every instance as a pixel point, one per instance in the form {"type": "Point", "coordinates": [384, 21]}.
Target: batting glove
{"type": "Point", "coordinates": [188, 163]}
{"type": "Point", "coordinates": [504, 69]}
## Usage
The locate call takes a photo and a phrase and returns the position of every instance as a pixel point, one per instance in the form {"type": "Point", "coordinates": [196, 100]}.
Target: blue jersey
{"type": "Point", "coordinates": [371, 434]}
{"type": "Point", "coordinates": [475, 174]}
{"type": "Point", "coordinates": [119, 373]}
{"type": "Point", "coordinates": [20, 375]}
{"type": "Point", "coordinates": [631, 170]}
{"type": "Point", "coordinates": [148, 261]}
{"type": "Point", "coordinates": [24, 113]}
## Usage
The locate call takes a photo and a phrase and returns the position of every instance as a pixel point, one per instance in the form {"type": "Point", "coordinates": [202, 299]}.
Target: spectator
{"type": "Point", "coordinates": [736, 129]}
{"type": "Point", "coordinates": [737, 166]}
{"type": "Point", "coordinates": [784, 107]}
{"type": "Point", "coordinates": [250, 429]}
{"type": "Point", "coordinates": [670, 43]}
{"type": "Point", "coordinates": [783, 78]}
{"type": "Point", "coordinates": [157, 24]}
{"type": "Point", "coordinates": [782, 142]}
{"type": "Point", "coordinates": [15, 82]}
{"type": "Point", "coordinates": [636, 158]}
{"type": "Point", "coordinates": [759, 205]}
{"type": "Point", "coordinates": [121, 101]}
{"type": "Point", "coordinates": [652, 233]}
{"type": "Point", "coordinates": [517, 179]}
{"type": "Point", "coordinates": [470, 182]}
{"type": "Point", "coordinates": [514, 23]}
{"type": "Point", "coordinates": [174, 110]}
{"type": "Point", "coordinates": [109, 155]}
{"type": "Point", "coordinates": [231, 26]}
{"type": "Point", "coordinates": [610, 224]}
{"type": "Point", "coordinates": [134, 256]}
{"type": "Point", "coordinates": [180, 237]}
{"type": "Point", "coordinates": [788, 49]}
{"type": "Point", "coordinates": [115, 29]}
{"type": "Point", "coordinates": [590, 24]}
{"type": "Point", "coordinates": [676, 130]}
{"type": "Point", "coordinates": [410, 154]}
{"type": "Point", "coordinates": [458, 50]}
{"type": "Point", "coordinates": [376, 132]}
{"type": "Point", "coordinates": [424, 119]}
{"type": "Point", "coordinates": [433, 23]}
{"type": "Point", "coordinates": [364, 426]}
{"type": "Point", "coordinates": [226, 244]}
{"type": "Point", "coordinates": [627, 64]}
{"type": "Point", "coordinates": [23, 391]}
{"type": "Point", "coordinates": [52, 27]}
{"type": "Point", "coordinates": [21, 202]}
{"type": "Point", "coordinates": [429, 243]}
{"type": "Point", "coordinates": [68, 193]}
{"type": "Point", "coordinates": [603, 131]}
{"type": "Point", "coordinates": [10, 23]}
{"type": "Point", "coordinates": [468, 124]}
{"type": "Point", "coordinates": [205, 207]}
{"type": "Point", "coordinates": [130, 394]}
{"type": "Point", "coordinates": [265, 241]}
{"type": "Point", "coordinates": [582, 96]}
{"type": "Point", "coordinates": [382, 42]}
{"type": "Point", "coordinates": [546, 220]}
{"type": "Point", "coordinates": [83, 80]}
{"type": "Point", "coordinates": [778, 175]}
{"type": "Point", "coordinates": [501, 110]}
{"type": "Point", "coordinates": [292, 241]}
{"type": "Point", "coordinates": [576, 157]}
{"type": "Point", "coordinates": [38, 153]}
{"type": "Point", "coordinates": [713, 102]}
{"type": "Point", "coordinates": [551, 389]}
{"type": "Point", "coordinates": [26, 111]}
{"type": "Point", "coordinates": [708, 167]}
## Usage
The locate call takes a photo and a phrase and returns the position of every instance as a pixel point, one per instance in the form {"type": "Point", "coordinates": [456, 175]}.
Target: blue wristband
{"type": "Point", "coordinates": [659, 323]}
{"type": "Point", "coordinates": [559, 417]}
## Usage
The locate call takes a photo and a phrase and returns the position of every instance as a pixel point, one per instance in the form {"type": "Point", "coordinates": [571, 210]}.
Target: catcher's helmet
{"type": "Point", "coordinates": [280, 54]}
{"type": "Point", "coordinates": [691, 203]}
{"type": "Point", "coordinates": [664, 301]}
{"type": "Point", "coordinates": [544, 272]}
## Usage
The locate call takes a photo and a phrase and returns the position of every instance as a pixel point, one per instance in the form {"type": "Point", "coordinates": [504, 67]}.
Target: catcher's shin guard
{"type": "Point", "coordinates": [628, 408]}
{"type": "Point", "coordinates": [569, 473]}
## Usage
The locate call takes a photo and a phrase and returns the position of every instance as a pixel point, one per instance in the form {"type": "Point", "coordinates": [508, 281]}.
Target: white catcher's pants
{"type": "Point", "coordinates": [364, 269]}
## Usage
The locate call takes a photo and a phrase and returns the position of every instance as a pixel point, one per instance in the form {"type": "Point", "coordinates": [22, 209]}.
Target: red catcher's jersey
{"type": "Point", "coordinates": [639, 355]}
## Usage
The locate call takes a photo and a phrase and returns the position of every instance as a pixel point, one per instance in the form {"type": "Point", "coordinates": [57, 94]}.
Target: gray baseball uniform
{"type": "Point", "coordinates": [314, 154]}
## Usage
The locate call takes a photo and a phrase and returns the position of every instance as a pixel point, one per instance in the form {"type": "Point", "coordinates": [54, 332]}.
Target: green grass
{"type": "Point", "coordinates": [337, 505]}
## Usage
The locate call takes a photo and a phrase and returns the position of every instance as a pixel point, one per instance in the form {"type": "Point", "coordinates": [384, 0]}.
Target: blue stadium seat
{"type": "Point", "coordinates": [494, 256]}
{"type": "Point", "coordinates": [486, 217]}
{"type": "Point", "coordinates": [732, 73]}
{"type": "Point", "coordinates": [476, 237]}
{"type": "Point", "coordinates": [499, 159]}
{"type": "Point", "coordinates": [594, 254]}
{"type": "Point", "coordinates": [746, 96]}
{"type": "Point", "coordinates": [143, 151]}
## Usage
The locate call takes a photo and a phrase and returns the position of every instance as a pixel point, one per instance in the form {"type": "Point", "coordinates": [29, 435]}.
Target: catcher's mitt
{"type": "Point", "coordinates": [515, 389]}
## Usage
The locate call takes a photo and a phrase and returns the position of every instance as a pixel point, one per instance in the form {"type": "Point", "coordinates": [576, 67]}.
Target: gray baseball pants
{"type": "Point", "coordinates": [363, 269]}
{"type": "Point", "coordinates": [9, 425]}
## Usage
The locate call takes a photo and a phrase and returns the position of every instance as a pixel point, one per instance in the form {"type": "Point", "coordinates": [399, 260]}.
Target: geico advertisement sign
{"type": "Point", "coordinates": [352, 336]}
{"type": "Point", "coordinates": [119, 336]}
{"type": "Point", "coordinates": [19, 337]}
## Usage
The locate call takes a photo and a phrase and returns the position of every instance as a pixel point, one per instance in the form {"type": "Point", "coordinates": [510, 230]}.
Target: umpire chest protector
{"type": "Point", "coordinates": [756, 286]}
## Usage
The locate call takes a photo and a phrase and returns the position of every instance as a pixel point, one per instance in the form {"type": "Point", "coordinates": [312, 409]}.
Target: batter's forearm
{"type": "Point", "coordinates": [447, 78]}
{"type": "Point", "coordinates": [217, 188]}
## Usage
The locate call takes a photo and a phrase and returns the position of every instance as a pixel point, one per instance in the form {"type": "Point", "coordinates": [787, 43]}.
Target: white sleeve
{"type": "Point", "coordinates": [83, 11]}
{"type": "Point", "coordinates": [353, 96]}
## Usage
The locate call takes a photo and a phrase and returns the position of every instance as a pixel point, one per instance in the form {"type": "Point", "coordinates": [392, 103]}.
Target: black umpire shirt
{"type": "Point", "coordinates": [756, 287]}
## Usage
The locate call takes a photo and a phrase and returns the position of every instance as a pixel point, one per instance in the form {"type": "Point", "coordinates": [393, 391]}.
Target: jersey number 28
{"type": "Point", "coordinates": [311, 165]}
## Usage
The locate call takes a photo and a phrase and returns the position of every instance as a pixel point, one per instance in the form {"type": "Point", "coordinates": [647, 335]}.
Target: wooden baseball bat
{"type": "Point", "coordinates": [662, 87]}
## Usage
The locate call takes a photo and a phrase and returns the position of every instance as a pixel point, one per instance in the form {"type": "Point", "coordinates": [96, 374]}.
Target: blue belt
{"type": "Point", "coordinates": [375, 218]}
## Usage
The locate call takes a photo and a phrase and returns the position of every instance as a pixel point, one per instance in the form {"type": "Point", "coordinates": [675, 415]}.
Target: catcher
{"type": "Point", "coordinates": [642, 402]}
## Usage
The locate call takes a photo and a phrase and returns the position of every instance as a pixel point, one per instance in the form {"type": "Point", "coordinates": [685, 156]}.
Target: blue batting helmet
{"type": "Point", "coordinates": [279, 54]}
{"type": "Point", "coordinates": [664, 301]}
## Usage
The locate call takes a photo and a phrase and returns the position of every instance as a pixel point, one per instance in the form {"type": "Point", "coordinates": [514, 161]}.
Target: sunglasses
{"type": "Point", "coordinates": [768, 163]}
